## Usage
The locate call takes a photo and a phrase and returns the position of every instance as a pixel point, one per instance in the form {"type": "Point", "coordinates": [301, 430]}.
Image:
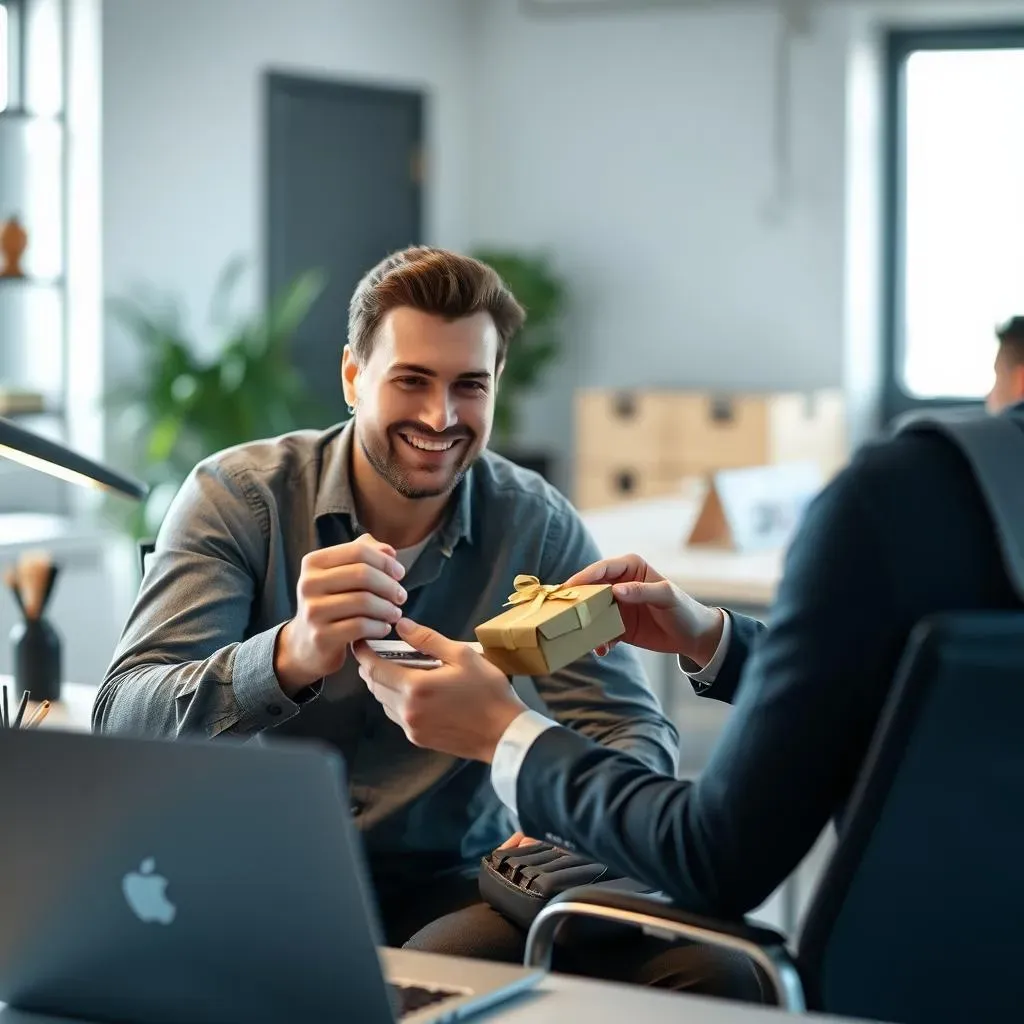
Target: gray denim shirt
{"type": "Point", "coordinates": [196, 655]}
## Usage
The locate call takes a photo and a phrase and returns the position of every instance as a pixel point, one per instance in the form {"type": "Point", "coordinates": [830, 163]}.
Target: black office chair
{"type": "Point", "coordinates": [919, 915]}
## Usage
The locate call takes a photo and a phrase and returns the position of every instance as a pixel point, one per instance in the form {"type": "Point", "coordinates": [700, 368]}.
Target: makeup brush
{"type": "Point", "coordinates": [11, 579]}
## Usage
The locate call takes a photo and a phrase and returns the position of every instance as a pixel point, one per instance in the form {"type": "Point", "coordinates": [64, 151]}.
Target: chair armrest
{"type": "Point", "coordinates": [657, 916]}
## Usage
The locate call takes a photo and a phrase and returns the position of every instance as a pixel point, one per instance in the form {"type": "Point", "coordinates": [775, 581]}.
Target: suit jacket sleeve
{"type": "Point", "coordinates": [745, 632]}
{"type": "Point", "coordinates": [806, 703]}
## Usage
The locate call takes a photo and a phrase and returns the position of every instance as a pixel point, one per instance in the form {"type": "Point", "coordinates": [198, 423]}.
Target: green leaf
{"type": "Point", "coordinates": [287, 311]}
{"type": "Point", "coordinates": [542, 293]}
{"type": "Point", "coordinates": [163, 438]}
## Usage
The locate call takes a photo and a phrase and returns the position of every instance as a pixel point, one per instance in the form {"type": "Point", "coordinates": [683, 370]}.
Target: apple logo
{"type": "Point", "coordinates": [146, 896]}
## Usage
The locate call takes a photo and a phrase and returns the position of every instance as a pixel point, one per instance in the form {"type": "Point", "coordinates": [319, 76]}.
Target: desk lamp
{"type": "Point", "coordinates": [37, 648]}
{"type": "Point", "coordinates": [49, 457]}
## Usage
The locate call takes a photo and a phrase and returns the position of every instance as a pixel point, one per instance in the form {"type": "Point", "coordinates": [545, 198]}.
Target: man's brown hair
{"type": "Point", "coordinates": [1011, 337]}
{"type": "Point", "coordinates": [433, 281]}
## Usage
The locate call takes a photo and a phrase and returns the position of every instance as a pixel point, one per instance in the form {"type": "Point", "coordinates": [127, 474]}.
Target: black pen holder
{"type": "Point", "coordinates": [36, 657]}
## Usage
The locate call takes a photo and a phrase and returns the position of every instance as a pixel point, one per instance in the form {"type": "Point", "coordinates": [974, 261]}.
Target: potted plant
{"type": "Point", "coordinates": [181, 405]}
{"type": "Point", "coordinates": [541, 292]}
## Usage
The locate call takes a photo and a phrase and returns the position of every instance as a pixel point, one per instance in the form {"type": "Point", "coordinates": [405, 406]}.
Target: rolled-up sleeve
{"type": "Point", "coordinates": [184, 663]}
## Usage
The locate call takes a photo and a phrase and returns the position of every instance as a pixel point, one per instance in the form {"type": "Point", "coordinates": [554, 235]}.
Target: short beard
{"type": "Point", "coordinates": [384, 462]}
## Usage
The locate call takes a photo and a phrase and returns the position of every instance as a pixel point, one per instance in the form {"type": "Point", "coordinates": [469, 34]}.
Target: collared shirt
{"type": "Point", "coordinates": [196, 656]}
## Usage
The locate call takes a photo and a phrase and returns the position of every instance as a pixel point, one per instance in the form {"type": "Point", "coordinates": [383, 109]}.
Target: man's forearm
{"type": "Point", "coordinates": [233, 691]}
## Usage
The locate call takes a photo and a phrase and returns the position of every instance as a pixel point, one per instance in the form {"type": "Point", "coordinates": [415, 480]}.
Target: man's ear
{"type": "Point", "coordinates": [349, 375]}
{"type": "Point", "coordinates": [1017, 380]}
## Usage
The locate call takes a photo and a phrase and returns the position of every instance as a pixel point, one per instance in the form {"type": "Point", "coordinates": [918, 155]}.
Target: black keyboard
{"type": "Point", "coordinates": [407, 999]}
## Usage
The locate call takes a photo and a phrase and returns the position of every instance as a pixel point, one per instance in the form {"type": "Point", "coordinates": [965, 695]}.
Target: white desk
{"type": "Point", "coordinates": [657, 530]}
{"type": "Point", "coordinates": [564, 1000]}
{"type": "Point", "coordinates": [561, 999]}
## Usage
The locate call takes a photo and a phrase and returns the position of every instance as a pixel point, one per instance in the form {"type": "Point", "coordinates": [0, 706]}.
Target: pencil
{"type": "Point", "coordinates": [38, 715]}
{"type": "Point", "coordinates": [22, 704]}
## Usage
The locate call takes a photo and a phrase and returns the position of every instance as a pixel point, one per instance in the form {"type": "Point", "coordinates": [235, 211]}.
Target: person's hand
{"type": "Point", "coordinates": [461, 708]}
{"type": "Point", "coordinates": [345, 593]}
{"type": "Point", "coordinates": [658, 616]}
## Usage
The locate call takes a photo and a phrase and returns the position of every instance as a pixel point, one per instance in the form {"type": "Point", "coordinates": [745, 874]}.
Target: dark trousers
{"type": "Point", "coordinates": [446, 915]}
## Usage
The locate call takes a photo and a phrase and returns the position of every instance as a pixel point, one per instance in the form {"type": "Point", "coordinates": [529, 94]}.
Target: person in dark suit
{"type": "Point", "coordinates": [899, 534]}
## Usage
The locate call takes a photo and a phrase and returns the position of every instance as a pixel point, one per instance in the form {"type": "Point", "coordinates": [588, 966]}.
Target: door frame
{"type": "Point", "coordinates": [277, 82]}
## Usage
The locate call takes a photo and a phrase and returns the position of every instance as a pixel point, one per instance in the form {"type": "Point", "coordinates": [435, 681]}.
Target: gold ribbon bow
{"type": "Point", "coordinates": [530, 594]}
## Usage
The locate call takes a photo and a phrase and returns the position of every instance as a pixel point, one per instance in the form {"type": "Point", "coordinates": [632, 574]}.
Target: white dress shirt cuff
{"type": "Point", "coordinates": [510, 753]}
{"type": "Point", "coordinates": [709, 673]}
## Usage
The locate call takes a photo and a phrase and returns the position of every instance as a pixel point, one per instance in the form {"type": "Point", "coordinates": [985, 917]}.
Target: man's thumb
{"type": "Point", "coordinates": [427, 641]}
{"type": "Point", "coordinates": [661, 594]}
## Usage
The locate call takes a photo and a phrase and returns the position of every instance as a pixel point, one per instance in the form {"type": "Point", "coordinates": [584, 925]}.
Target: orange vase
{"type": "Point", "coordinates": [13, 241]}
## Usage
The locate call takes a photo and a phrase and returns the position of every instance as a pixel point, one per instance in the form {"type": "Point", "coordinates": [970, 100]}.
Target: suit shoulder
{"type": "Point", "coordinates": [919, 456]}
{"type": "Point", "coordinates": [887, 480]}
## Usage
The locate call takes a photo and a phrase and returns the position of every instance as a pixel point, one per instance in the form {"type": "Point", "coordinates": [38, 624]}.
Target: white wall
{"type": "Point", "coordinates": [182, 124]}
{"type": "Point", "coordinates": [638, 148]}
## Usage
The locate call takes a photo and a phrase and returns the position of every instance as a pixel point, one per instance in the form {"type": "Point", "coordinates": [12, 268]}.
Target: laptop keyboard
{"type": "Point", "coordinates": [407, 999]}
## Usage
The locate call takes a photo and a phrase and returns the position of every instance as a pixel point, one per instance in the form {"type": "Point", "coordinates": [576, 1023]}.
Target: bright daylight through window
{"type": "Point", "coordinates": [961, 217]}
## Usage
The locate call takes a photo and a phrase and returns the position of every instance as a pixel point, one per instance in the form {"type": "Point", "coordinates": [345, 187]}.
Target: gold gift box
{"type": "Point", "coordinates": [549, 626]}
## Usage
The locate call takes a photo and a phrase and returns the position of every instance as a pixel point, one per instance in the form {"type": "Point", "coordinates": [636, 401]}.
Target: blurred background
{"type": "Point", "coordinates": [749, 235]}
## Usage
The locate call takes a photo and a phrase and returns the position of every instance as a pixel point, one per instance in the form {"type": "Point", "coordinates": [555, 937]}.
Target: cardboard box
{"type": "Point", "coordinates": [715, 432]}
{"type": "Point", "coordinates": [638, 444]}
{"type": "Point", "coordinates": [599, 488]}
{"type": "Point", "coordinates": [549, 626]}
{"type": "Point", "coordinates": [632, 428]}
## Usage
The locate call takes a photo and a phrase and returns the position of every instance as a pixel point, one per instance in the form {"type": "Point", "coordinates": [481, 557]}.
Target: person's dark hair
{"type": "Point", "coordinates": [433, 281]}
{"type": "Point", "coordinates": [1011, 337]}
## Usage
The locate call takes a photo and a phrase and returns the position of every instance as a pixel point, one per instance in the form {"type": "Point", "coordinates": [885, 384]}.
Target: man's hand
{"type": "Point", "coordinates": [657, 615]}
{"type": "Point", "coordinates": [461, 708]}
{"type": "Point", "coordinates": [345, 593]}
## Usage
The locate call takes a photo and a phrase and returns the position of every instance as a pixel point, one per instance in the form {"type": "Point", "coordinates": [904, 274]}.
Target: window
{"type": "Point", "coordinates": [4, 62]}
{"type": "Point", "coordinates": [954, 210]}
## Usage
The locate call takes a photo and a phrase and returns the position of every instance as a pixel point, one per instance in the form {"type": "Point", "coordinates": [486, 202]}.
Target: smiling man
{"type": "Point", "coordinates": [276, 556]}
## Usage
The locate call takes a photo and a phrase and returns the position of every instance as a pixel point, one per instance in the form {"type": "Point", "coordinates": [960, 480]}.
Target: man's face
{"type": "Point", "coordinates": [424, 398]}
{"type": "Point", "coordinates": [1008, 387]}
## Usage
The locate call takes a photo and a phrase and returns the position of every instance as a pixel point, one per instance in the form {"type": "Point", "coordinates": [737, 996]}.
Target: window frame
{"type": "Point", "coordinates": [15, 56]}
{"type": "Point", "coordinates": [900, 44]}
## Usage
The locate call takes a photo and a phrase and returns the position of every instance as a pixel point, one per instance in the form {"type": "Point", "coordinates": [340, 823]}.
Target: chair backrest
{"type": "Point", "coordinates": [146, 548]}
{"type": "Point", "coordinates": [918, 917]}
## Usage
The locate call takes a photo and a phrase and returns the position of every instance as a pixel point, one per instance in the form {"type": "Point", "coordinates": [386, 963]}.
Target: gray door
{"type": "Point", "coordinates": [343, 190]}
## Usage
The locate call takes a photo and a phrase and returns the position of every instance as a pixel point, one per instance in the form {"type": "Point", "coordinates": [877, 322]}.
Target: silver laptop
{"type": "Point", "coordinates": [156, 882]}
